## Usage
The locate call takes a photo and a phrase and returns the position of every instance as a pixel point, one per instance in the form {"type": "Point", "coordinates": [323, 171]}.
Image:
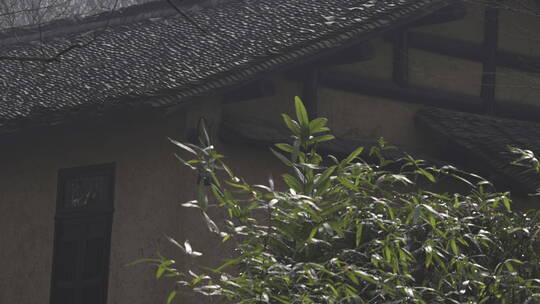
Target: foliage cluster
{"type": "Point", "coordinates": [349, 231]}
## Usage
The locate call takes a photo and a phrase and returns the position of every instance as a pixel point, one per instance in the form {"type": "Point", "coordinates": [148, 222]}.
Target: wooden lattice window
{"type": "Point", "coordinates": [82, 235]}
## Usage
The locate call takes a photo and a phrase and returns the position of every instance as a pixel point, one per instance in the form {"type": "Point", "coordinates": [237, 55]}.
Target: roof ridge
{"type": "Point", "coordinates": [122, 16]}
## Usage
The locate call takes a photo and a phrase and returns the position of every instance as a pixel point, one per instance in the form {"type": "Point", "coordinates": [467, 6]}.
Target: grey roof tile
{"type": "Point", "coordinates": [487, 139]}
{"type": "Point", "coordinates": [128, 63]}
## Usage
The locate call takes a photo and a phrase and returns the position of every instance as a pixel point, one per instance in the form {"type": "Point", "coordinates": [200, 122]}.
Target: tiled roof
{"type": "Point", "coordinates": [486, 139]}
{"type": "Point", "coordinates": [166, 60]}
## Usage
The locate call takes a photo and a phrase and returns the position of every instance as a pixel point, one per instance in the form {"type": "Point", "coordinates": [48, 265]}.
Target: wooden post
{"type": "Point", "coordinates": [490, 60]}
{"type": "Point", "coordinates": [401, 59]}
{"type": "Point", "coordinates": [310, 91]}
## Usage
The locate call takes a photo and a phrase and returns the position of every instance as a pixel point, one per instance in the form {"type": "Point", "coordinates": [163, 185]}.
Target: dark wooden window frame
{"type": "Point", "coordinates": [102, 212]}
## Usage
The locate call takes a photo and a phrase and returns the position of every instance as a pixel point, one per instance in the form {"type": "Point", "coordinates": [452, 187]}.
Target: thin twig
{"type": "Point", "coordinates": [57, 56]}
{"type": "Point", "coordinates": [28, 10]}
{"type": "Point", "coordinates": [177, 9]}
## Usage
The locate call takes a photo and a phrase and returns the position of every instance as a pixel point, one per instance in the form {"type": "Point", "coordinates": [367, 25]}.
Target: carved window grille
{"type": "Point", "coordinates": [82, 235]}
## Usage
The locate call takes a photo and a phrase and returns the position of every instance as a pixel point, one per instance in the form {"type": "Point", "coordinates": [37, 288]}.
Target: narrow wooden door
{"type": "Point", "coordinates": [82, 235]}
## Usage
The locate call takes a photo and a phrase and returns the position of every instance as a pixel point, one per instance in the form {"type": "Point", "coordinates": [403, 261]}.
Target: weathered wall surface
{"type": "Point", "coordinates": [145, 195]}
{"type": "Point", "coordinates": [150, 184]}
{"type": "Point", "coordinates": [470, 29]}
{"type": "Point", "coordinates": [518, 33]}
{"type": "Point", "coordinates": [350, 115]}
{"type": "Point", "coordinates": [450, 74]}
{"type": "Point", "coordinates": [518, 27]}
{"type": "Point", "coordinates": [380, 67]}
{"type": "Point", "coordinates": [445, 73]}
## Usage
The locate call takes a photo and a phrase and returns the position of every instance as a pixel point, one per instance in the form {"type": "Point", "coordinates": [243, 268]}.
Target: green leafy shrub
{"type": "Point", "coordinates": [347, 231]}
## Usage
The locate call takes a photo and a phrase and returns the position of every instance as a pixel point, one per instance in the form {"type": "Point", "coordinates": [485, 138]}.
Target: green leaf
{"type": "Point", "coordinates": [171, 297]}
{"type": "Point", "coordinates": [426, 174]}
{"type": "Point", "coordinates": [191, 204]}
{"type": "Point", "coordinates": [506, 203]}
{"type": "Point", "coordinates": [454, 247]}
{"type": "Point", "coordinates": [285, 147]}
{"type": "Point", "coordinates": [319, 139]}
{"type": "Point", "coordinates": [354, 154]}
{"type": "Point", "coordinates": [291, 124]}
{"type": "Point", "coordinates": [368, 277]}
{"type": "Point", "coordinates": [160, 271]}
{"type": "Point", "coordinates": [280, 299]}
{"type": "Point", "coordinates": [204, 138]}
{"type": "Point", "coordinates": [353, 277]}
{"type": "Point", "coordinates": [146, 260]}
{"type": "Point", "coordinates": [292, 182]}
{"type": "Point", "coordinates": [359, 229]}
{"type": "Point", "coordinates": [181, 145]}
{"type": "Point", "coordinates": [301, 113]}
{"type": "Point", "coordinates": [210, 224]}
{"type": "Point", "coordinates": [186, 163]}
{"type": "Point", "coordinates": [312, 234]}
{"type": "Point", "coordinates": [282, 158]}
{"type": "Point", "coordinates": [317, 125]}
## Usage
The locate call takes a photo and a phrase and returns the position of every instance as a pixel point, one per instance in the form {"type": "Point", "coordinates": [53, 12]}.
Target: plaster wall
{"type": "Point", "coordinates": [143, 206]}
{"type": "Point", "coordinates": [369, 118]}
{"type": "Point", "coordinates": [380, 67]}
{"type": "Point", "coordinates": [518, 33]}
{"type": "Point", "coordinates": [470, 28]}
{"type": "Point", "coordinates": [350, 115]}
{"type": "Point", "coordinates": [150, 184]}
{"type": "Point", "coordinates": [444, 73]}
{"type": "Point", "coordinates": [519, 22]}
{"type": "Point", "coordinates": [517, 86]}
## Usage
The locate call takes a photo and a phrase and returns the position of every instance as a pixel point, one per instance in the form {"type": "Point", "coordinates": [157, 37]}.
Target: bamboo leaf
{"type": "Point", "coordinates": [354, 154]}
{"type": "Point", "coordinates": [291, 124]}
{"type": "Point", "coordinates": [171, 297]}
{"type": "Point", "coordinates": [301, 113]}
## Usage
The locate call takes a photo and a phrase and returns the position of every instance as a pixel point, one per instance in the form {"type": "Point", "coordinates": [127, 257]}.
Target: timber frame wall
{"type": "Point", "coordinates": [486, 53]}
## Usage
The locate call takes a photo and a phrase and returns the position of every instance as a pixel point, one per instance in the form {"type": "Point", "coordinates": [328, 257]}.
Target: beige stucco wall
{"type": "Point", "coordinates": [380, 67]}
{"type": "Point", "coordinates": [150, 184]}
{"type": "Point", "coordinates": [518, 34]}
{"type": "Point", "coordinates": [519, 22]}
{"type": "Point", "coordinates": [350, 115]}
{"type": "Point", "coordinates": [368, 118]}
{"type": "Point", "coordinates": [470, 28]}
{"type": "Point", "coordinates": [517, 86]}
{"type": "Point", "coordinates": [444, 73]}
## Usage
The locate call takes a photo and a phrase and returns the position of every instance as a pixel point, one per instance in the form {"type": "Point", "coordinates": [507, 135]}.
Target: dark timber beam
{"type": "Point", "coordinates": [426, 96]}
{"type": "Point", "coordinates": [258, 89]}
{"type": "Point", "coordinates": [401, 58]}
{"type": "Point", "coordinates": [490, 60]}
{"type": "Point", "coordinates": [453, 12]}
{"type": "Point", "coordinates": [471, 51]}
{"type": "Point", "coordinates": [310, 91]}
{"type": "Point", "coordinates": [357, 53]}
{"type": "Point", "coordinates": [394, 91]}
